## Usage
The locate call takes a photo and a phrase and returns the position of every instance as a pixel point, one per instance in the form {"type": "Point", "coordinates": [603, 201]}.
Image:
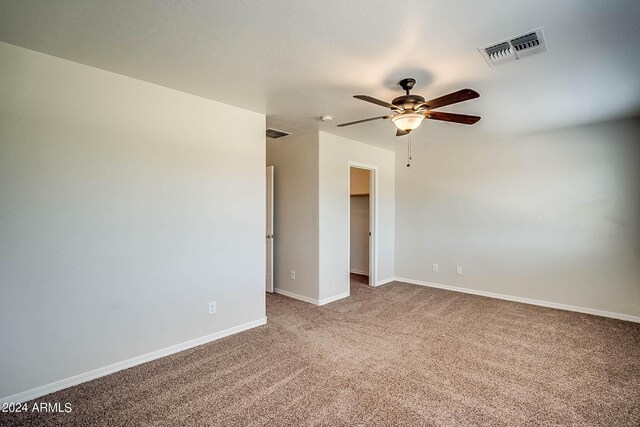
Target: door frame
{"type": "Point", "coordinates": [269, 273]}
{"type": "Point", "coordinates": [373, 221]}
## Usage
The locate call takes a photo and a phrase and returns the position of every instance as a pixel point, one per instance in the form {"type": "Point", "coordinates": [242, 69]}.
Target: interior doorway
{"type": "Point", "coordinates": [362, 223]}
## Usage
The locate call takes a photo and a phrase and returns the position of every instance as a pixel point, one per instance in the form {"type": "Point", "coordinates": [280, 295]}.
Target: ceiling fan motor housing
{"type": "Point", "coordinates": [407, 102]}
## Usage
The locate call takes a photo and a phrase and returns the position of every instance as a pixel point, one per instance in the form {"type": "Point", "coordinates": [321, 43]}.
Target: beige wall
{"type": "Point", "coordinates": [295, 161]}
{"type": "Point", "coordinates": [125, 208]}
{"type": "Point", "coordinates": [359, 181]}
{"type": "Point", "coordinates": [311, 212]}
{"type": "Point", "coordinates": [335, 154]}
{"type": "Point", "coordinates": [553, 216]}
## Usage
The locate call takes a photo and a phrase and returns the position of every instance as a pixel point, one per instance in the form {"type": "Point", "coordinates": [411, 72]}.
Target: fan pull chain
{"type": "Point", "coordinates": [409, 152]}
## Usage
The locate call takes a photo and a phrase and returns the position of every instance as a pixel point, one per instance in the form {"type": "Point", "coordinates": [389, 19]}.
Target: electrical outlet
{"type": "Point", "coordinates": [293, 275]}
{"type": "Point", "coordinates": [459, 270]}
{"type": "Point", "coordinates": [435, 268]}
{"type": "Point", "coordinates": [212, 307]}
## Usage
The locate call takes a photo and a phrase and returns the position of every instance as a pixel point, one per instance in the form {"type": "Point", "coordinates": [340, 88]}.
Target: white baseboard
{"type": "Point", "coordinates": [313, 301]}
{"type": "Point", "coordinates": [362, 272]}
{"type": "Point", "coordinates": [295, 296]}
{"type": "Point", "coordinates": [619, 316]}
{"type": "Point", "coordinates": [384, 281]}
{"type": "Point", "coordinates": [110, 369]}
{"type": "Point", "coordinates": [333, 298]}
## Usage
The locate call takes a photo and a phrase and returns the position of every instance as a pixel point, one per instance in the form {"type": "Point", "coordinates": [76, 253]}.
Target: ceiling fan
{"type": "Point", "coordinates": [408, 111]}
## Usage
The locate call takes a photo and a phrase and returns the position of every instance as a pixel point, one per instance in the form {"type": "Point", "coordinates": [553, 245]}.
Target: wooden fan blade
{"type": "Point", "coordinates": [452, 98]}
{"type": "Point", "coordinates": [377, 102]}
{"type": "Point", "coordinates": [451, 117]}
{"type": "Point", "coordinates": [401, 132]}
{"type": "Point", "coordinates": [365, 120]}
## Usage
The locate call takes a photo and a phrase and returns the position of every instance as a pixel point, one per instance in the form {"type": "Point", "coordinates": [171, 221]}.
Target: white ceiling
{"type": "Point", "coordinates": [295, 60]}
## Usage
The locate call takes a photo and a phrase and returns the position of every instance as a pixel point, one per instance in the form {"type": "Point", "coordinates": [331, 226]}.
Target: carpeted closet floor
{"type": "Point", "coordinates": [395, 355]}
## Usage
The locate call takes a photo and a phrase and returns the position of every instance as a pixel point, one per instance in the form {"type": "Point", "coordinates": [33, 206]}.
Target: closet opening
{"type": "Point", "coordinates": [362, 224]}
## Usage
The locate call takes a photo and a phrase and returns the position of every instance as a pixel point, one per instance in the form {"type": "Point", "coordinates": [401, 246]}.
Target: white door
{"type": "Point", "coordinates": [269, 271]}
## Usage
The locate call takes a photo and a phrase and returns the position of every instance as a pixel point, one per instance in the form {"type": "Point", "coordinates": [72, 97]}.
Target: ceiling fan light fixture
{"type": "Point", "coordinates": [407, 121]}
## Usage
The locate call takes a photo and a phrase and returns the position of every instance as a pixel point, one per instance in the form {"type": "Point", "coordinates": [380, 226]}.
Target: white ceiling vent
{"type": "Point", "coordinates": [275, 133]}
{"type": "Point", "coordinates": [517, 47]}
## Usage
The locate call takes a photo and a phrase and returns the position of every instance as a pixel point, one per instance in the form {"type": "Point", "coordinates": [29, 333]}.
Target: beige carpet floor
{"type": "Point", "coordinates": [396, 355]}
